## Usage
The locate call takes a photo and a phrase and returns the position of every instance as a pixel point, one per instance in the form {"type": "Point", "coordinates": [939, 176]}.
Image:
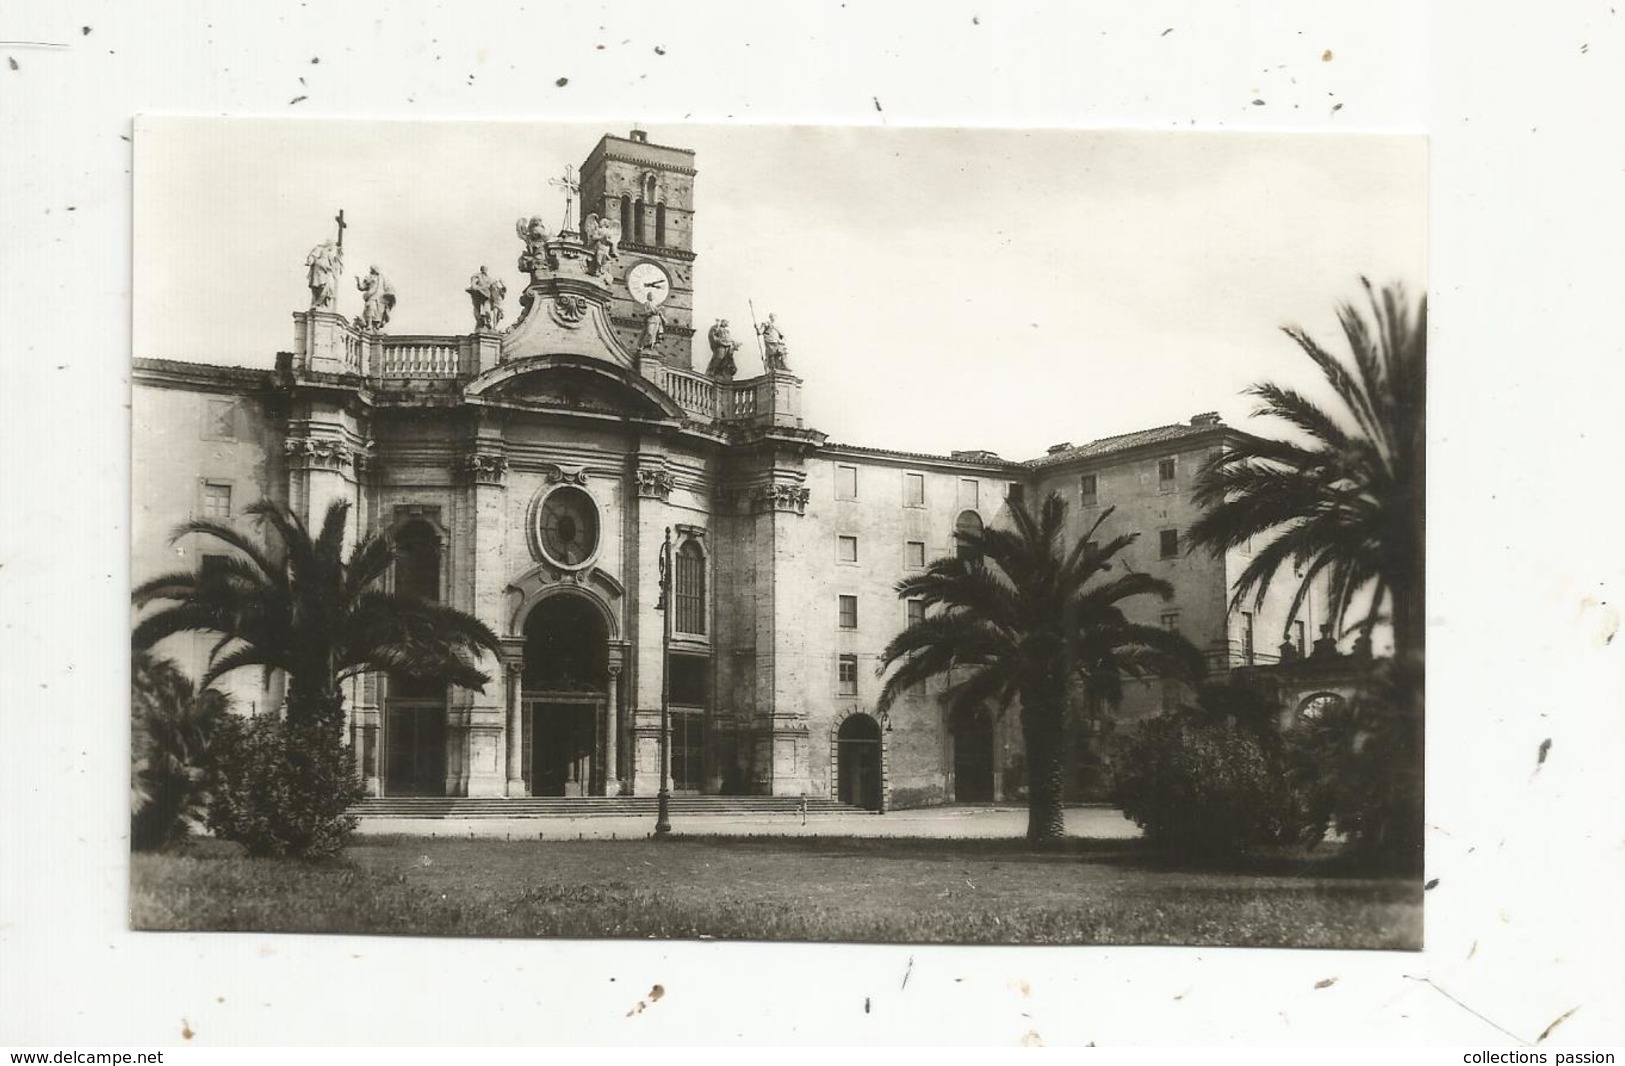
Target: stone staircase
{"type": "Point", "coordinates": [459, 807]}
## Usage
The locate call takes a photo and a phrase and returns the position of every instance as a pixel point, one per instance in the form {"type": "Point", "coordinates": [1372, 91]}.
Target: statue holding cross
{"type": "Point", "coordinates": [323, 266]}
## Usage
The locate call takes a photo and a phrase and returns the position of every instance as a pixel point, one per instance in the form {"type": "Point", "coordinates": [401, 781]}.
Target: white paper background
{"type": "Point", "coordinates": [1528, 179]}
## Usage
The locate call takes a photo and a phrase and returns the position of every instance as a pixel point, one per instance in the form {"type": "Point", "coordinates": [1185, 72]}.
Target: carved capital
{"type": "Point", "coordinates": [781, 497]}
{"type": "Point", "coordinates": [486, 468]}
{"type": "Point", "coordinates": [655, 484]}
{"type": "Point", "coordinates": [318, 453]}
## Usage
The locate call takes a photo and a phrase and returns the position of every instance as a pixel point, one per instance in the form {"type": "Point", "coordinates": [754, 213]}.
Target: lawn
{"type": "Point", "coordinates": [820, 889]}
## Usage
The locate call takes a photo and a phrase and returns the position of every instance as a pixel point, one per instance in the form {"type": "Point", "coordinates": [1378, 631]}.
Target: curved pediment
{"type": "Point", "coordinates": [574, 383]}
{"type": "Point", "coordinates": [565, 315]}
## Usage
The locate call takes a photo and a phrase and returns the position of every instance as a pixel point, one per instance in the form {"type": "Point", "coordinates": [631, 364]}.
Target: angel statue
{"type": "Point", "coordinates": [723, 347]}
{"type": "Point", "coordinates": [487, 293]}
{"type": "Point", "coordinates": [377, 301]}
{"type": "Point", "coordinates": [773, 344]}
{"type": "Point", "coordinates": [537, 256]}
{"type": "Point", "coordinates": [600, 236]}
{"type": "Point", "coordinates": [323, 265]}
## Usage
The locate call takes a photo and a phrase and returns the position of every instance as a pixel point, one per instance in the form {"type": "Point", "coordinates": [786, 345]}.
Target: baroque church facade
{"type": "Point", "coordinates": [531, 474]}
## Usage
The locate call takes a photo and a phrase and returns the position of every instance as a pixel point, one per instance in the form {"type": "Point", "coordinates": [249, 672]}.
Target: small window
{"type": "Point", "coordinates": [967, 532]}
{"type": "Point", "coordinates": [970, 491]}
{"type": "Point", "coordinates": [660, 223]}
{"type": "Point", "coordinates": [846, 482]}
{"type": "Point", "coordinates": [1165, 474]}
{"type": "Point", "coordinates": [913, 490]}
{"type": "Point", "coordinates": [846, 549]}
{"type": "Point", "coordinates": [1087, 490]}
{"type": "Point", "coordinates": [849, 612]}
{"type": "Point", "coordinates": [216, 500]}
{"type": "Point", "coordinates": [1170, 543]}
{"type": "Point", "coordinates": [690, 680]}
{"type": "Point", "coordinates": [1298, 637]}
{"type": "Point", "coordinates": [914, 555]}
{"type": "Point", "coordinates": [916, 611]}
{"type": "Point", "coordinates": [1170, 621]}
{"type": "Point", "coordinates": [1017, 493]}
{"type": "Point", "coordinates": [1247, 637]}
{"type": "Point", "coordinates": [211, 567]}
{"type": "Point", "coordinates": [848, 675]}
{"type": "Point", "coordinates": [221, 420]}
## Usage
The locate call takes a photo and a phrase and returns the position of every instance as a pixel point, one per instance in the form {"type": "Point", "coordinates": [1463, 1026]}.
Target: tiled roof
{"type": "Point", "coordinates": [1122, 443]}
{"type": "Point", "coordinates": [893, 453]}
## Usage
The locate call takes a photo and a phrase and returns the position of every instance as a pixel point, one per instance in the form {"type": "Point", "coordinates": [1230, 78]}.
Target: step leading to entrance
{"type": "Point", "coordinates": [591, 806]}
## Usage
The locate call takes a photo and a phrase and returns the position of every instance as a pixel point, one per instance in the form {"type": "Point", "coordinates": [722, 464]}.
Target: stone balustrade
{"type": "Point", "coordinates": [417, 357]}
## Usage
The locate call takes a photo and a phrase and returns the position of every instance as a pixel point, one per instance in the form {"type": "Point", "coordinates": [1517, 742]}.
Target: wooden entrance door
{"type": "Point", "coordinates": [415, 750]}
{"type": "Point", "coordinates": [563, 745]}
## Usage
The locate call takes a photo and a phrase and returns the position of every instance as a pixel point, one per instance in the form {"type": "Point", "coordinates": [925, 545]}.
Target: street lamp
{"type": "Point", "coordinates": [663, 802]}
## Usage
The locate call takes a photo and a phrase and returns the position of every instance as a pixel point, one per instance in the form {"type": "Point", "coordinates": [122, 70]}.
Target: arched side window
{"type": "Point", "coordinates": [637, 222]}
{"type": "Point", "coordinates": [660, 224]}
{"type": "Point", "coordinates": [689, 592]}
{"type": "Point", "coordinates": [969, 523]}
{"type": "Point", "coordinates": [626, 216]}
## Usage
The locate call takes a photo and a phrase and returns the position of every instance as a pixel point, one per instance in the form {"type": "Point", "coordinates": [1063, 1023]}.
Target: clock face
{"type": "Point", "coordinates": [569, 527]}
{"type": "Point", "coordinates": [647, 281]}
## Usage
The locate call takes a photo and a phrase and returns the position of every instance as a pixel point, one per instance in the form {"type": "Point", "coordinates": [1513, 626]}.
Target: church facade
{"type": "Point", "coordinates": [532, 474]}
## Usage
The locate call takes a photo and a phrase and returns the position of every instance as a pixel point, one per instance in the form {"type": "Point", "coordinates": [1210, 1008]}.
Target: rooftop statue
{"type": "Point", "coordinates": [538, 254]}
{"type": "Point", "coordinates": [323, 265]}
{"type": "Point", "coordinates": [723, 347]}
{"type": "Point", "coordinates": [487, 293]}
{"type": "Point", "coordinates": [776, 352]}
{"type": "Point", "coordinates": [377, 301]}
{"type": "Point", "coordinates": [600, 236]}
{"type": "Point", "coordinates": [654, 325]}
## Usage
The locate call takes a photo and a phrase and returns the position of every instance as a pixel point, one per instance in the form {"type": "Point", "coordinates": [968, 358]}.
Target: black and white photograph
{"type": "Point", "coordinates": [780, 533]}
{"type": "Point", "coordinates": [824, 524]}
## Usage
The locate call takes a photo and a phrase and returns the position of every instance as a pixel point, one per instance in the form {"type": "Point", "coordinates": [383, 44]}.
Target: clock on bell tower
{"type": "Point", "coordinates": [648, 189]}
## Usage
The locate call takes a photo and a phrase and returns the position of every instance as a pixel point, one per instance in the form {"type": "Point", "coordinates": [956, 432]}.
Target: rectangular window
{"type": "Point", "coordinates": [1247, 637]}
{"type": "Point", "coordinates": [220, 419]}
{"type": "Point", "coordinates": [970, 492]}
{"type": "Point", "coordinates": [687, 750]}
{"type": "Point", "coordinates": [1017, 493]}
{"type": "Point", "coordinates": [1170, 543]}
{"type": "Point", "coordinates": [846, 482]}
{"type": "Point", "coordinates": [210, 566]}
{"type": "Point", "coordinates": [913, 490]}
{"type": "Point", "coordinates": [1170, 621]}
{"type": "Point", "coordinates": [1297, 636]}
{"type": "Point", "coordinates": [916, 611]}
{"type": "Point", "coordinates": [848, 675]}
{"type": "Point", "coordinates": [691, 680]}
{"type": "Point", "coordinates": [690, 590]}
{"type": "Point", "coordinates": [1165, 474]}
{"type": "Point", "coordinates": [1087, 490]}
{"type": "Point", "coordinates": [849, 612]}
{"type": "Point", "coordinates": [216, 500]}
{"type": "Point", "coordinates": [846, 549]}
{"type": "Point", "coordinates": [914, 555]}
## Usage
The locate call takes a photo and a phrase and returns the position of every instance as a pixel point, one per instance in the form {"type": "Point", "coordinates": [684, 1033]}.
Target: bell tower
{"type": "Point", "coordinates": [648, 191]}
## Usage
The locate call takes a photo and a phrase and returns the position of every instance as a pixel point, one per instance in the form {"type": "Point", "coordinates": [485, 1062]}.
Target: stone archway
{"type": "Point", "coordinates": [859, 762]}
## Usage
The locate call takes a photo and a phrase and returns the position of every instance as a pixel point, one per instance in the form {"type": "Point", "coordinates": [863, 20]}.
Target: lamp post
{"type": "Point", "coordinates": [663, 801]}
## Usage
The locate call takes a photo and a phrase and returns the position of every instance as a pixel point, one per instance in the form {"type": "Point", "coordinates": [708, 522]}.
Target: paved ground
{"type": "Point", "coordinates": [935, 822]}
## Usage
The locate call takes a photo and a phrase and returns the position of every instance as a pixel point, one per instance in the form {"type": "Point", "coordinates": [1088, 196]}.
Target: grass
{"type": "Point", "coordinates": [816, 889]}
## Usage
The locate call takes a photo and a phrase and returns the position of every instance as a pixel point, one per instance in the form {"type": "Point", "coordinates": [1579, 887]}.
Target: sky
{"type": "Point", "coordinates": [939, 289]}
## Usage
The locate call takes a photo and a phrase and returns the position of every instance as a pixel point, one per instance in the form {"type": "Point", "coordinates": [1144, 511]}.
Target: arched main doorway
{"type": "Point", "coordinates": [566, 692]}
{"type": "Point", "coordinates": [857, 762]}
{"type": "Point", "coordinates": [415, 714]}
{"type": "Point", "coordinates": [972, 731]}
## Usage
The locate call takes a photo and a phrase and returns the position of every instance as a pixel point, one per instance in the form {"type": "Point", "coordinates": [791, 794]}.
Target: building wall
{"type": "Point", "coordinates": [192, 437]}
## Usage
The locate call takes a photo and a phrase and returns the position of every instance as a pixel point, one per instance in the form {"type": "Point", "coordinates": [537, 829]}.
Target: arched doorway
{"type": "Point", "coordinates": [857, 762]}
{"type": "Point", "coordinates": [565, 688]}
{"type": "Point", "coordinates": [968, 525]}
{"type": "Point", "coordinates": [415, 714]}
{"type": "Point", "coordinates": [972, 730]}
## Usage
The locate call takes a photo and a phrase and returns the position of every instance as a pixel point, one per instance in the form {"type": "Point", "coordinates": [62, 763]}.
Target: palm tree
{"type": "Point", "coordinates": [1019, 614]}
{"type": "Point", "coordinates": [306, 610]}
{"type": "Point", "coordinates": [172, 728]}
{"type": "Point", "coordinates": [1347, 500]}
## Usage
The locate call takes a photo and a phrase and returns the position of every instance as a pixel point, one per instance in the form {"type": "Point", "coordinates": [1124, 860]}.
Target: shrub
{"type": "Point", "coordinates": [172, 727]}
{"type": "Point", "coordinates": [1202, 788]}
{"type": "Point", "coordinates": [1357, 772]}
{"type": "Point", "coordinates": [282, 789]}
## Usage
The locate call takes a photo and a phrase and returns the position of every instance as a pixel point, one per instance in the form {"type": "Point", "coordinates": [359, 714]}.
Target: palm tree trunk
{"type": "Point", "coordinates": [323, 706]}
{"type": "Point", "coordinates": [1041, 728]}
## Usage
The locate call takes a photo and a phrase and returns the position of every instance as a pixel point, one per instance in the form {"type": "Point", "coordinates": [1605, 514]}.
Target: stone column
{"type": "Point", "coordinates": [516, 731]}
{"type": "Point", "coordinates": [612, 713]}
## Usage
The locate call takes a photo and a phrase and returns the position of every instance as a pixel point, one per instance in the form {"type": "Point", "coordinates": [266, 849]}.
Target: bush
{"type": "Point", "coordinates": [1202, 788]}
{"type": "Point", "coordinates": [172, 727]}
{"type": "Point", "coordinates": [1357, 771]}
{"type": "Point", "coordinates": [281, 789]}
